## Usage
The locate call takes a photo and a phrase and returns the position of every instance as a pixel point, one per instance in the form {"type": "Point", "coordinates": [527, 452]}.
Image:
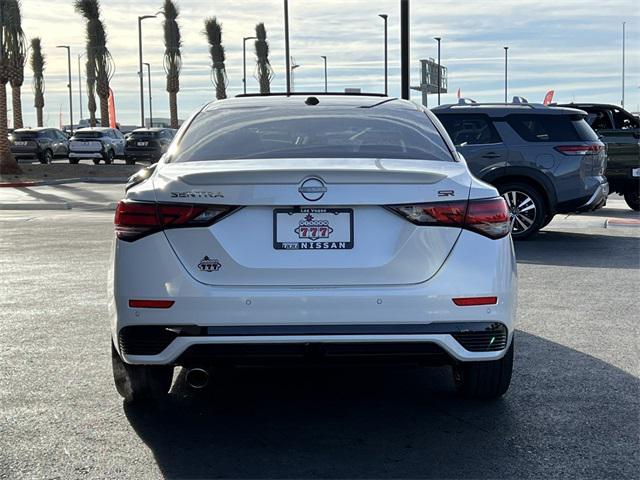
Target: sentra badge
{"type": "Point", "coordinates": [209, 265]}
{"type": "Point", "coordinates": [197, 194]}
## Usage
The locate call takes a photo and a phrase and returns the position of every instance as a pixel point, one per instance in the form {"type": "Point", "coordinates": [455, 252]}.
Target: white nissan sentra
{"type": "Point", "coordinates": [324, 229]}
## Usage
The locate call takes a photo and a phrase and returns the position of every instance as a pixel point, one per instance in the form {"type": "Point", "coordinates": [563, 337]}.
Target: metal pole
{"type": "Point", "coordinates": [324, 57]}
{"type": "Point", "coordinates": [286, 45]}
{"type": "Point", "coordinates": [404, 49]}
{"type": "Point", "coordinates": [69, 85]}
{"type": "Point", "coordinates": [150, 100]}
{"type": "Point", "coordinates": [437, 39]}
{"type": "Point", "coordinates": [140, 72]}
{"type": "Point", "coordinates": [244, 62]}
{"type": "Point", "coordinates": [506, 57]}
{"type": "Point", "coordinates": [80, 86]}
{"type": "Point", "coordinates": [624, 24]}
{"type": "Point", "coordinates": [385, 17]}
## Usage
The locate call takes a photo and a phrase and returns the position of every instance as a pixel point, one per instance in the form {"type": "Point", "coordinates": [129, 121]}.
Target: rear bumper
{"type": "Point", "coordinates": [85, 155]}
{"type": "Point", "coordinates": [26, 153]}
{"type": "Point", "coordinates": [597, 200]}
{"type": "Point", "coordinates": [140, 153]}
{"type": "Point", "coordinates": [421, 313]}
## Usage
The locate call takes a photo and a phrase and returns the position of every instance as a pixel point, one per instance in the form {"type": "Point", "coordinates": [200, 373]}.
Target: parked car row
{"type": "Point", "coordinates": [100, 144]}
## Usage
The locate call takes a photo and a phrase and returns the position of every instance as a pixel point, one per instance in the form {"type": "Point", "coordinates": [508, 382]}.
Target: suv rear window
{"type": "Point", "coordinates": [89, 134]}
{"type": "Point", "coordinates": [311, 132]}
{"type": "Point", "coordinates": [145, 134]}
{"type": "Point", "coordinates": [473, 129]}
{"type": "Point", "coordinates": [552, 128]}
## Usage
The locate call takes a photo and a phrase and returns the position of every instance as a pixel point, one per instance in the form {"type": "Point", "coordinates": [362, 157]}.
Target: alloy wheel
{"type": "Point", "coordinates": [522, 211]}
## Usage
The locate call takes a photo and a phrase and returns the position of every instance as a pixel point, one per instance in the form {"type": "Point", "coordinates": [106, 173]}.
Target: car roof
{"type": "Point", "coordinates": [299, 100]}
{"type": "Point", "coordinates": [94, 129]}
{"type": "Point", "coordinates": [504, 109]}
{"type": "Point", "coordinates": [34, 129]}
{"type": "Point", "coordinates": [154, 129]}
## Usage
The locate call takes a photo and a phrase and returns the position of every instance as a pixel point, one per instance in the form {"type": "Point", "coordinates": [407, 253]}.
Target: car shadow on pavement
{"type": "Point", "coordinates": [567, 414]}
{"type": "Point", "coordinates": [573, 249]}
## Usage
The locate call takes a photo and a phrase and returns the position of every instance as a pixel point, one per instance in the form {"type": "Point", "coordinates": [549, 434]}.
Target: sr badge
{"type": "Point", "coordinates": [209, 265]}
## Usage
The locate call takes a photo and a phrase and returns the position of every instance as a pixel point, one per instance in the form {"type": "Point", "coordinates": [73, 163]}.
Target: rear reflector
{"type": "Point", "coordinates": [472, 301]}
{"type": "Point", "coordinates": [151, 303]}
{"type": "Point", "coordinates": [135, 220]}
{"type": "Point", "coordinates": [579, 149]}
{"type": "Point", "coordinates": [488, 217]}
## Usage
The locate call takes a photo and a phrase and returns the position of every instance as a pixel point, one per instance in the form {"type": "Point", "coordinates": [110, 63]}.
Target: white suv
{"type": "Point", "coordinates": [323, 229]}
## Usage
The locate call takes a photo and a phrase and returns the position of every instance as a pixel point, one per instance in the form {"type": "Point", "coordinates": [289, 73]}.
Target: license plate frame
{"type": "Point", "coordinates": [20, 143]}
{"type": "Point", "coordinates": [320, 243]}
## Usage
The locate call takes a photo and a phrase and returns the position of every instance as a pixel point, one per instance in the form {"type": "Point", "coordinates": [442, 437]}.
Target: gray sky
{"type": "Point", "coordinates": [573, 47]}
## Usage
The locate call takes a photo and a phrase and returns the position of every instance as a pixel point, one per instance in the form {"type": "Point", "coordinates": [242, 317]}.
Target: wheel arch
{"type": "Point", "coordinates": [531, 177]}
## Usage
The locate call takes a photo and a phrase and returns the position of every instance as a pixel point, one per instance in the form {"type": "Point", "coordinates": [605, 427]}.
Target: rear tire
{"type": "Point", "coordinates": [47, 157]}
{"type": "Point", "coordinates": [484, 380]}
{"type": "Point", "coordinates": [74, 161]}
{"type": "Point", "coordinates": [548, 219]}
{"type": "Point", "coordinates": [96, 161]}
{"type": "Point", "coordinates": [140, 383]}
{"type": "Point", "coordinates": [130, 161]}
{"type": "Point", "coordinates": [527, 208]}
{"type": "Point", "coordinates": [108, 157]}
{"type": "Point", "coordinates": [633, 199]}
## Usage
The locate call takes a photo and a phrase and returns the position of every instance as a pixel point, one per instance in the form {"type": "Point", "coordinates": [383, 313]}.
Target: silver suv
{"type": "Point", "coordinates": [543, 160]}
{"type": "Point", "coordinates": [97, 143]}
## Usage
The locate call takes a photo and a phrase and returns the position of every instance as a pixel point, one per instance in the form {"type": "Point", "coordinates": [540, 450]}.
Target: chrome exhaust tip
{"type": "Point", "coordinates": [197, 378]}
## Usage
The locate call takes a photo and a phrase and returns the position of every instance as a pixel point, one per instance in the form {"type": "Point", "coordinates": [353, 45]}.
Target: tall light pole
{"type": "Point", "coordinates": [506, 63]}
{"type": "Point", "coordinates": [286, 45]}
{"type": "Point", "coordinates": [438, 39]}
{"type": "Point", "coordinates": [624, 24]}
{"type": "Point", "coordinates": [385, 17]}
{"type": "Point", "coordinates": [80, 55]}
{"type": "Point", "coordinates": [244, 61]}
{"type": "Point", "coordinates": [324, 57]}
{"type": "Point", "coordinates": [140, 73]}
{"type": "Point", "coordinates": [150, 100]}
{"type": "Point", "coordinates": [69, 84]}
{"type": "Point", "coordinates": [404, 49]}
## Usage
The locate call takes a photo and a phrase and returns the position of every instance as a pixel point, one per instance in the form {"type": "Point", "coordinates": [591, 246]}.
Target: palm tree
{"type": "Point", "coordinates": [90, 67]}
{"type": "Point", "coordinates": [172, 57]}
{"type": "Point", "coordinates": [264, 72]}
{"type": "Point", "coordinates": [8, 20]}
{"type": "Point", "coordinates": [37, 66]}
{"type": "Point", "coordinates": [213, 31]}
{"type": "Point", "coordinates": [100, 66]}
{"type": "Point", "coordinates": [17, 56]}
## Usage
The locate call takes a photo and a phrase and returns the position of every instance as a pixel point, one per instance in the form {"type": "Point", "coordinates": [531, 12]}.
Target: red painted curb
{"type": "Point", "coordinates": [19, 184]}
{"type": "Point", "coordinates": [623, 221]}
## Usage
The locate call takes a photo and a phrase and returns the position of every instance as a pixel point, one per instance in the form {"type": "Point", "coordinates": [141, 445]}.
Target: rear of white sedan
{"type": "Point", "coordinates": [300, 230]}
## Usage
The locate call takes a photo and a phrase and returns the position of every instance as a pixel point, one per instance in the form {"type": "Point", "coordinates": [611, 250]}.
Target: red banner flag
{"type": "Point", "coordinates": [548, 98]}
{"type": "Point", "coordinates": [458, 93]}
{"type": "Point", "coordinates": [112, 110]}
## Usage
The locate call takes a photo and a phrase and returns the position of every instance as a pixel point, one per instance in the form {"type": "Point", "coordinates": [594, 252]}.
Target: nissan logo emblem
{"type": "Point", "coordinates": [313, 189]}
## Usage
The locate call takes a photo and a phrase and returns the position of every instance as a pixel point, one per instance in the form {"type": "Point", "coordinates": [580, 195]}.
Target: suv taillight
{"type": "Point", "coordinates": [578, 149]}
{"type": "Point", "coordinates": [135, 220]}
{"type": "Point", "coordinates": [488, 217]}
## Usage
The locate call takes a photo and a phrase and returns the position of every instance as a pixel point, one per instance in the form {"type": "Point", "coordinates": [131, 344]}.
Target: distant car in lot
{"type": "Point", "coordinates": [147, 144]}
{"type": "Point", "coordinates": [99, 143]}
{"type": "Point", "coordinates": [40, 143]}
{"type": "Point", "coordinates": [320, 229]}
{"type": "Point", "coordinates": [543, 160]}
{"type": "Point", "coordinates": [620, 130]}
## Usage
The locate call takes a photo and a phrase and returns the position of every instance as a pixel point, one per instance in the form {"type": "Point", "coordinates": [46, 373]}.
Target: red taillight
{"type": "Point", "coordinates": [579, 149]}
{"type": "Point", "coordinates": [489, 217]}
{"type": "Point", "coordinates": [135, 220]}
{"type": "Point", "coordinates": [473, 301]}
{"type": "Point", "coordinates": [151, 303]}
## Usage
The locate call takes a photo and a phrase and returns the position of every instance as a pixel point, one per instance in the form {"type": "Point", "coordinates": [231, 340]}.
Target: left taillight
{"type": "Point", "coordinates": [135, 220]}
{"type": "Point", "coordinates": [488, 217]}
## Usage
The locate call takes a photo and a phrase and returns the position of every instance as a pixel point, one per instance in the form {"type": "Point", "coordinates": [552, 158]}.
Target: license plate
{"type": "Point", "coordinates": [635, 172]}
{"type": "Point", "coordinates": [313, 228]}
{"type": "Point", "coordinates": [20, 144]}
{"type": "Point", "coordinates": [143, 144]}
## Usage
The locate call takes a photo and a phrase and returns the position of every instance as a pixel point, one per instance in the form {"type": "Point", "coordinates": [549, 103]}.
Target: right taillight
{"type": "Point", "coordinates": [135, 220]}
{"type": "Point", "coordinates": [488, 217]}
{"type": "Point", "coordinates": [579, 149]}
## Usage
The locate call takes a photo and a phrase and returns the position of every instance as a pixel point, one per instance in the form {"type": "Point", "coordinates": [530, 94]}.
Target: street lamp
{"type": "Point", "coordinates": [506, 62]}
{"type": "Point", "coordinates": [141, 75]}
{"type": "Point", "coordinates": [69, 85]}
{"type": "Point", "coordinates": [384, 17]}
{"type": "Point", "coordinates": [624, 24]}
{"type": "Point", "coordinates": [286, 45]}
{"type": "Point", "coordinates": [244, 62]}
{"type": "Point", "coordinates": [324, 57]}
{"type": "Point", "coordinates": [150, 100]}
{"type": "Point", "coordinates": [80, 55]}
{"type": "Point", "coordinates": [438, 39]}
{"type": "Point", "coordinates": [405, 55]}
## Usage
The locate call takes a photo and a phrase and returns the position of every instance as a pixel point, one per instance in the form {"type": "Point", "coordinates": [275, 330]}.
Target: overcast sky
{"type": "Point", "coordinates": [571, 46]}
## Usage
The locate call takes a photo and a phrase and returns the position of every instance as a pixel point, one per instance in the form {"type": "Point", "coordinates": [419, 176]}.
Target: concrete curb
{"type": "Point", "coordinates": [621, 222]}
{"type": "Point", "coordinates": [35, 206]}
{"type": "Point", "coordinates": [41, 183]}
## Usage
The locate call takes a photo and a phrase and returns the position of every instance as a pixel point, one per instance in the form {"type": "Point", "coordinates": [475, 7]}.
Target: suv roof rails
{"type": "Point", "coordinates": [312, 94]}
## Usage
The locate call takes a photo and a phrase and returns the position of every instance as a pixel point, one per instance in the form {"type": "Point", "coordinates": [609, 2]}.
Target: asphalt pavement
{"type": "Point", "coordinates": [572, 409]}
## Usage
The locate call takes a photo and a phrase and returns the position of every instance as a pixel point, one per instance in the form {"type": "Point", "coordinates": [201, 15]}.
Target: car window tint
{"type": "Point", "coordinates": [544, 128]}
{"type": "Point", "coordinates": [624, 120]}
{"type": "Point", "coordinates": [223, 134]}
{"type": "Point", "coordinates": [471, 129]}
{"type": "Point", "coordinates": [88, 134]}
{"type": "Point", "coordinates": [599, 120]}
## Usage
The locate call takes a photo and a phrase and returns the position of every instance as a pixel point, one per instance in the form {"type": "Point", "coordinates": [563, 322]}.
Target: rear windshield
{"type": "Point", "coordinates": [552, 128]}
{"type": "Point", "coordinates": [311, 132]}
{"type": "Point", "coordinates": [89, 134]}
{"type": "Point", "coordinates": [144, 134]}
{"type": "Point", "coordinates": [26, 135]}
